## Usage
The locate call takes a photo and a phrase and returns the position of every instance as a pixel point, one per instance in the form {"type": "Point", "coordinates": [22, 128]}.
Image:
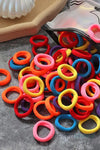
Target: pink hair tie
{"type": "Point", "coordinates": [42, 66]}
{"type": "Point", "coordinates": [47, 125]}
{"type": "Point", "coordinates": [96, 91]}
{"type": "Point", "coordinates": [46, 74]}
{"type": "Point", "coordinates": [36, 88]}
{"type": "Point", "coordinates": [94, 32]}
{"type": "Point", "coordinates": [38, 98]}
{"type": "Point", "coordinates": [35, 99]}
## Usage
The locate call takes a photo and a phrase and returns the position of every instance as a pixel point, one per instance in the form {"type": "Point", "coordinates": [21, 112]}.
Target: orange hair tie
{"type": "Point", "coordinates": [58, 81]}
{"type": "Point", "coordinates": [49, 77]}
{"type": "Point", "coordinates": [11, 89]}
{"type": "Point", "coordinates": [7, 79]}
{"type": "Point", "coordinates": [44, 60]}
{"type": "Point", "coordinates": [88, 107]}
{"type": "Point", "coordinates": [49, 107]}
{"type": "Point", "coordinates": [24, 54]}
{"type": "Point", "coordinates": [39, 115]}
{"type": "Point", "coordinates": [37, 72]}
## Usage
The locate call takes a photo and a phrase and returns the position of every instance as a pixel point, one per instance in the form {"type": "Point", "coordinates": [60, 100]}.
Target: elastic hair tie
{"type": "Point", "coordinates": [74, 99]}
{"type": "Point", "coordinates": [11, 89]}
{"type": "Point", "coordinates": [89, 105]}
{"type": "Point", "coordinates": [94, 81]}
{"type": "Point", "coordinates": [47, 125]}
{"type": "Point", "coordinates": [93, 29]}
{"type": "Point", "coordinates": [37, 72]}
{"type": "Point", "coordinates": [81, 54]}
{"type": "Point", "coordinates": [65, 116]}
{"type": "Point", "coordinates": [61, 52]}
{"type": "Point", "coordinates": [34, 48]}
{"type": "Point", "coordinates": [83, 47]}
{"type": "Point", "coordinates": [38, 115]}
{"type": "Point", "coordinates": [38, 98]}
{"type": "Point", "coordinates": [91, 49]}
{"type": "Point", "coordinates": [80, 40]}
{"type": "Point", "coordinates": [88, 64]}
{"type": "Point", "coordinates": [98, 110]}
{"type": "Point", "coordinates": [92, 74]}
{"type": "Point", "coordinates": [84, 92]}
{"type": "Point", "coordinates": [49, 106]}
{"type": "Point", "coordinates": [33, 94]}
{"type": "Point", "coordinates": [71, 38]}
{"type": "Point", "coordinates": [58, 107]}
{"type": "Point", "coordinates": [89, 131]}
{"type": "Point", "coordinates": [14, 66]}
{"type": "Point", "coordinates": [77, 113]}
{"type": "Point", "coordinates": [39, 37]}
{"type": "Point", "coordinates": [67, 78]}
{"type": "Point", "coordinates": [23, 72]}
{"type": "Point", "coordinates": [43, 66]}
{"type": "Point", "coordinates": [17, 104]}
{"type": "Point", "coordinates": [23, 104]}
{"type": "Point", "coordinates": [25, 54]}
{"type": "Point", "coordinates": [97, 76]}
{"type": "Point", "coordinates": [7, 79]}
{"type": "Point", "coordinates": [55, 48]}
{"type": "Point", "coordinates": [35, 89]}
{"type": "Point", "coordinates": [78, 82]}
{"type": "Point", "coordinates": [60, 85]}
{"type": "Point", "coordinates": [94, 59]}
{"type": "Point", "coordinates": [52, 86]}
{"type": "Point", "coordinates": [48, 79]}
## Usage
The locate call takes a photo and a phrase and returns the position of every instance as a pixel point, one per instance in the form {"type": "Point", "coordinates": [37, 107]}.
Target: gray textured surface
{"type": "Point", "coordinates": [16, 134]}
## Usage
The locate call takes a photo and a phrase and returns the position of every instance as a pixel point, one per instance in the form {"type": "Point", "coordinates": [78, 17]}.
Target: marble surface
{"type": "Point", "coordinates": [16, 134]}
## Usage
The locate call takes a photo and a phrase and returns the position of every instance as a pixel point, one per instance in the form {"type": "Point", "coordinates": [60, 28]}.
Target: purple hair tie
{"type": "Point", "coordinates": [74, 57]}
{"type": "Point", "coordinates": [98, 110]}
{"type": "Point", "coordinates": [78, 82]}
{"type": "Point", "coordinates": [89, 48]}
{"type": "Point", "coordinates": [58, 107]}
{"type": "Point", "coordinates": [57, 47]}
{"type": "Point", "coordinates": [23, 106]}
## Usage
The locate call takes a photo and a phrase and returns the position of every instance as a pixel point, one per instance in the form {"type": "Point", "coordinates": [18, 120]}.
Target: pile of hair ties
{"type": "Point", "coordinates": [65, 79]}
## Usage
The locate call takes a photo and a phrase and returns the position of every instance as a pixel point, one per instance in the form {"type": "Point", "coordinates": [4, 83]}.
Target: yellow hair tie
{"type": "Point", "coordinates": [41, 84]}
{"type": "Point", "coordinates": [74, 99]}
{"type": "Point", "coordinates": [68, 67]}
{"type": "Point", "coordinates": [23, 71]}
{"type": "Point", "coordinates": [68, 53]}
{"type": "Point", "coordinates": [89, 131]}
{"type": "Point", "coordinates": [83, 47]}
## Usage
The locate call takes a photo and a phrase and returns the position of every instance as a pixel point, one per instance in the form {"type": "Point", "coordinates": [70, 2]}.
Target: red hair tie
{"type": "Point", "coordinates": [39, 37]}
